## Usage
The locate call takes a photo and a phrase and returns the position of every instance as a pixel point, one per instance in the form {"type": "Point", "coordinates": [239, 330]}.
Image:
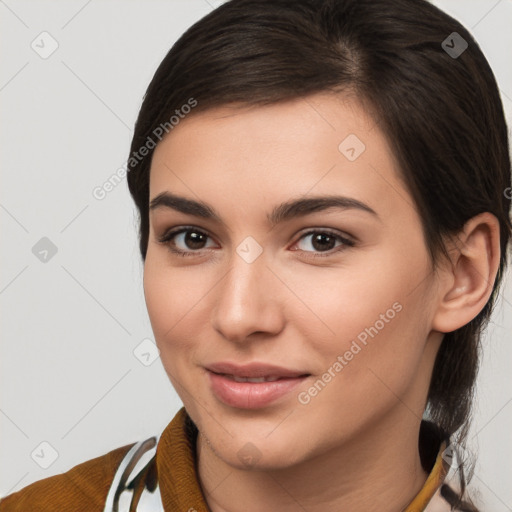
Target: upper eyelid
{"type": "Point", "coordinates": [183, 229]}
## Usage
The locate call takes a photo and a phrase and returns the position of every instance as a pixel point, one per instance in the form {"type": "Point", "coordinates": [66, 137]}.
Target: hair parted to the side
{"type": "Point", "coordinates": [442, 117]}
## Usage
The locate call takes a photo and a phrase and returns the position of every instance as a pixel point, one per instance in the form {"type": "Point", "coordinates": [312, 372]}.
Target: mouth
{"type": "Point", "coordinates": [252, 386]}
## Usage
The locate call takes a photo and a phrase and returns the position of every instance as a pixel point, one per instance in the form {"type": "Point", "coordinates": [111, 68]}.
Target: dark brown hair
{"type": "Point", "coordinates": [441, 114]}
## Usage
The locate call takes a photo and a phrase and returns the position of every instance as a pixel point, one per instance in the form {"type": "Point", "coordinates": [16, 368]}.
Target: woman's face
{"type": "Point", "coordinates": [342, 293]}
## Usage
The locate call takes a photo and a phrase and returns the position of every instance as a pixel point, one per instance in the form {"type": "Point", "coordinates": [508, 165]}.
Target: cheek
{"type": "Point", "coordinates": [171, 298]}
{"type": "Point", "coordinates": [337, 305]}
{"type": "Point", "coordinates": [161, 303]}
{"type": "Point", "coordinates": [375, 318]}
{"type": "Point", "coordinates": [171, 301]}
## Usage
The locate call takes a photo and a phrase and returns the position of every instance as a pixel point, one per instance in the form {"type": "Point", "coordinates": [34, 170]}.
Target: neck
{"type": "Point", "coordinates": [380, 471]}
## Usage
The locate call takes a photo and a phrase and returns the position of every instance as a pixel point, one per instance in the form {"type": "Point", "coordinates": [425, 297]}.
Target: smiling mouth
{"type": "Point", "coordinates": [257, 391]}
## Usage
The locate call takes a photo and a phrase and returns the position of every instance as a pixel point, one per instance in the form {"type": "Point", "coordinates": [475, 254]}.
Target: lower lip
{"type": "Point", "coordinates": [251, 395]}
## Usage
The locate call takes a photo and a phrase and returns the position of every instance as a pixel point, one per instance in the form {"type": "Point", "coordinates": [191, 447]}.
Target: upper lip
{"type": "Point", "coordinates": [254, 369]}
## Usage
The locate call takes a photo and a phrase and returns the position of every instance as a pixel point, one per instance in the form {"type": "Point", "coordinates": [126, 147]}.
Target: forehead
{"type": "Point", "coordinates": [324, 143]}
{"type": "Point", "coordinates": [320, 116]}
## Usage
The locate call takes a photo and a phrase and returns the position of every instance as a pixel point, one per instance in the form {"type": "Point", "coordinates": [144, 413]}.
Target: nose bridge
{"type": "Point", "coordinates": [246, 300]}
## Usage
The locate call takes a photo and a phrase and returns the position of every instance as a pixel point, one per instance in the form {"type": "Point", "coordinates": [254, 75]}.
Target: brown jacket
{"type": "Point", "coordinates": [84, 488]}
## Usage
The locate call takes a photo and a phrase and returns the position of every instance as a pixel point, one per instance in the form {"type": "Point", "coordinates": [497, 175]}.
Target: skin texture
{"type": "Point", "coordinates": [354, 445]}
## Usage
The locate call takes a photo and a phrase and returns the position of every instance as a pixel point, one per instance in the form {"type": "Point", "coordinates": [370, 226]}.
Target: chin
{"type": "Point", "coordinates": [251, 458]}
{"type": "Point", "coordinates": [248, 450]}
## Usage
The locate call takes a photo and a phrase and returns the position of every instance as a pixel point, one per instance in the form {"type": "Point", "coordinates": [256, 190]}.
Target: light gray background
{"type": "Point", "coordinates": [68, 373]}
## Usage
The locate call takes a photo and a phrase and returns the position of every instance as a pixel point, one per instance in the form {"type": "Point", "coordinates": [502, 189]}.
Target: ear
{"type": "Point", "coordinates": [467, 281]}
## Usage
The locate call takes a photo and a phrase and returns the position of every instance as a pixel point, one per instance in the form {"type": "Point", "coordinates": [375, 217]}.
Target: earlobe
{"type": "Point", "coordinates": [466, 285]}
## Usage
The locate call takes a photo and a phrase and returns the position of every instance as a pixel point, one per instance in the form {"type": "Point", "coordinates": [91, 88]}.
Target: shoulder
{"type": "Point", "coordinates": [83, 488]}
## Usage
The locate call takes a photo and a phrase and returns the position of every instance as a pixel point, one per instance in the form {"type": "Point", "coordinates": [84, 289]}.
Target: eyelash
{"type": "Point", "coordinates": [168, 236]}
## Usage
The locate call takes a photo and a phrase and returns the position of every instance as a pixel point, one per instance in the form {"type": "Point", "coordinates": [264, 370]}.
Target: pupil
{"type": "Point", "coordinates": [322, 238]}
{"type": "Point", "coordinates": [193, 240]}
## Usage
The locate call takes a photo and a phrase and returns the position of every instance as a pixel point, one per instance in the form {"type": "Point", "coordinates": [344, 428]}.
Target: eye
{"type": "Point", "coordinates": [185, 241]}
{"type": "Point", "coordinates": [324, 241]}
{"type": "Point", "coordinates": [189, 241]}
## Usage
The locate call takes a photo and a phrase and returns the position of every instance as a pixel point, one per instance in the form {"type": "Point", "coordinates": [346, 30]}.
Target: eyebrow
{"type": "Point", "coordinates": [283, 212]}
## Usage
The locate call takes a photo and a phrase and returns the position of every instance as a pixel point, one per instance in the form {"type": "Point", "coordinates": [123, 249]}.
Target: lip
{"type": "Point", "coordinates": [254, 369]}
{"type": "Point", "coordinates": [252, 395]}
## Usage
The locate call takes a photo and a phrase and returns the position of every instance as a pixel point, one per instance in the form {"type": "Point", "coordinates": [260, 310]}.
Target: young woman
{"type": "Point", "coordinates": [324, 219]}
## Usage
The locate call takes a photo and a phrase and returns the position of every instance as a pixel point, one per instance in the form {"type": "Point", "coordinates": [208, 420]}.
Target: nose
{"type": "Point", "coordinates": [247, 301]}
